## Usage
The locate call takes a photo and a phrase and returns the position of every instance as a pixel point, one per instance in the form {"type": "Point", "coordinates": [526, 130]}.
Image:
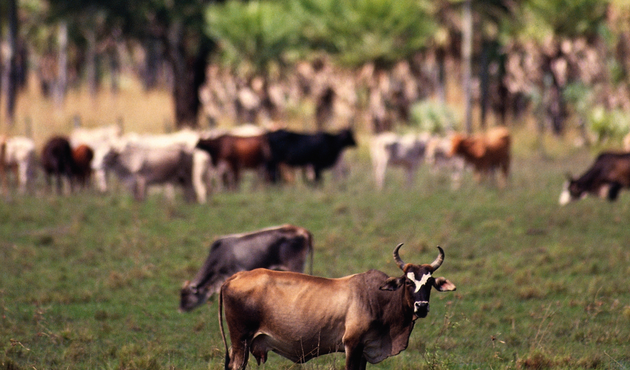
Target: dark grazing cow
{"type": "Point", "coordinates": [369, 315]}
{"type": "Point", "coordinates": [57, 161]}
{"type": "Point", "coordinates": [238, 152]}
{"type": "Point", "coordinates": [320, 150]}
{"type": "Point", "coordinates": [281, 248]}
{"type": "Point", "coordinates": [606, 177]}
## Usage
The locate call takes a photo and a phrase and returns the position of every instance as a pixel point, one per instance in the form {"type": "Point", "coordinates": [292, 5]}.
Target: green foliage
{"type": "Point", "coordinates": [579, 96]}
{"type": "Point", "coordinates": [357, 32]}
{"type": "Point", "coordinates": [541, 19]}
{"type": "Point", "coordinates": [252, 35]}
{"type": "Point", "coordinates": [434, 117]}
{"type": "Point", "coordinates": [609, 124]}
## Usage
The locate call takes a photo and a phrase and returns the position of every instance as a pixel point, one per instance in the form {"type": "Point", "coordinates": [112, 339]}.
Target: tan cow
{"type": "Point", "coordinates": [369, 316]}
{"type": "Point", "coordinates": [485, 152]}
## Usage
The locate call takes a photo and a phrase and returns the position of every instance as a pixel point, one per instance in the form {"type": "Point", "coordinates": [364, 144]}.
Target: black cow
{"type": "Point", "coordinates": [57, 161]}
{"type": "Point", "coordinates": [278, 248]}
{"type": "Point", "coordinates": [606, 177]}
{"type": "Point", "coordinates": [319, 151]}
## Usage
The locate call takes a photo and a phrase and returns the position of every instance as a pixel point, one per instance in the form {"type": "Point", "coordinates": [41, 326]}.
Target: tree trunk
{"type": "Point", "coordinates": [441, 74]}
{"type": "Point", "coordinates": [152, 60]}
{"type": "Point", "coordinates": [62, 66]}
{"type": "Point", "coordinates": [467, 62]}
{"type": "Point", "coordinates": [91, 68]}
{"type": "Point", "coordinates": [485, 83]}
{"type": "Point", "coordinates": [10, 75]}
{"type": "Point", "coordinates": [189, 73]}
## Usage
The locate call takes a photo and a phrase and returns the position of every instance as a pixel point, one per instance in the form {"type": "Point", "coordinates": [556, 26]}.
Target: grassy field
{"type": "Point", "coordinates": [91, 281]}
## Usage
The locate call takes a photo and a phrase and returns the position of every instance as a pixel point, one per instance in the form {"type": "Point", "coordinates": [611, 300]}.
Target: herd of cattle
{"type": "Point", "coordinates": [203, 161]}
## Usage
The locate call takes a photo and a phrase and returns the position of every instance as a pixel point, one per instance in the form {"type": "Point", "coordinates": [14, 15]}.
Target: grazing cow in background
{"type": "Point", "coordinates": [390, 149]}
{"type": "Point", "coordinates": [57, 161]}
{"type": "Point", "coordinates": [369, 316]}
{"type": "Point", "coordinates": [319, 151]}
{"type": "Point", "coordinates": [238, 153]}
{"type": "Point", "coordinates": [139, 162]}
{"type": "Point", "coordinates": [485, 152]}
{"type": "Point", "coordinates": [17, 155]}
{"type": "Point", "coordinates": [83, 156]}
{"type": "Point", "coordinates": [281, 248]}
{"type": "Point", "coordinates": [606, 177]}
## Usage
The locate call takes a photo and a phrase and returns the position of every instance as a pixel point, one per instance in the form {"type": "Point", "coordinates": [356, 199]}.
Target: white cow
{"type": "Point", "coordinates": [17, 154]}
{"type": "Point", "coordinates": [390, 149]}
{"type": "Point", "coordinates": [140, 161]}
{"type": "Point", "coordinates": [438, 157]}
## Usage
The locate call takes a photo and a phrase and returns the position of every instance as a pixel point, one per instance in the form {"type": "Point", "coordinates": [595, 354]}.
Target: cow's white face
{"type": "Point", "coordinates": [423, 282]}
{"type": "Point", "coordinates": [565, 196]}
{"type": "Point", "coordinates": [419, 283]}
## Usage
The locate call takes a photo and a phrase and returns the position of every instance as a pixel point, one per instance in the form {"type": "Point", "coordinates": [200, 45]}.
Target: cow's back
{"type": "Point", "coordinates": [613, 167]}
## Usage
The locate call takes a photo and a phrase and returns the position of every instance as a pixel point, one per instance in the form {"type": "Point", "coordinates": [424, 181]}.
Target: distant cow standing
{"type": "Point", "coordinates": [606, 177]}
{"type": "Point", "coordinates": [141, 163]}
{"type": "Point", "coordinates": [390, 149]}
{"type": "Point", "coordinates": [485, 152]}
{"type": "Point", "coordinates": [238, 152]}
{"type": "Point", "coordinates": [57, 161]}
{"type": "Point", "coordinates": [17, 155]}
{"type": "Point", "coordinates": [83, 156]}
{"type": "Point", "coordinates": [319, 151]}
{"type": "Point", "coordinates": [281, 248]}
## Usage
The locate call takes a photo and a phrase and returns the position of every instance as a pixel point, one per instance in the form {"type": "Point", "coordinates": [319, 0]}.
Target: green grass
{"type": "Point", "coordinates": [92, 281]}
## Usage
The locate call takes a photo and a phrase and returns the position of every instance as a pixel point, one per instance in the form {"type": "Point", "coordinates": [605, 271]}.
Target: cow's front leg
{"type": "Point", "coordinates": [354, 356]}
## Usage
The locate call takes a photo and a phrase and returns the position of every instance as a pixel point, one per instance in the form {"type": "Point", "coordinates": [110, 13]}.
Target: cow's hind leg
{"type": "Point", "coordinates": [238, 357]}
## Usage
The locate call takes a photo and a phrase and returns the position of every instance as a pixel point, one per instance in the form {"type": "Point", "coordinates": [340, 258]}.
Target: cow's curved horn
{"type": "Point", "coordinates": [397, 259]}
{"type": "Point", "coordinates": [438, 261]}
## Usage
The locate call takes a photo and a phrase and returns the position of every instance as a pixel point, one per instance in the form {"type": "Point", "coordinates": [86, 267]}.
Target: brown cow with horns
{"type": "Point", "coordinates": [369, 315]}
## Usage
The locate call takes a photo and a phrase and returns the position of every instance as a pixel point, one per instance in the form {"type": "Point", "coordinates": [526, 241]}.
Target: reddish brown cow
{"type": "Point", "coordinates": [238, 152]}
{"type": "Point", "coordinates": [486, 152]}
{"type": "Point", "coordinates": [83, 156]}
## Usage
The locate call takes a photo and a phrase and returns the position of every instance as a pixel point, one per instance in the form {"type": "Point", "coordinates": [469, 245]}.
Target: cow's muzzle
{"type": "Point", "coordinates": [421, 309]}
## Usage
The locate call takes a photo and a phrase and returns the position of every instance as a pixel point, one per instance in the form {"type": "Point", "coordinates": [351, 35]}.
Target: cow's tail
{"type": "Point", "coordinates": [227, 351]}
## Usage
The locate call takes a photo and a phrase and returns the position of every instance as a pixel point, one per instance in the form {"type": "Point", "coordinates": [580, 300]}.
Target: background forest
{"type": "Point", "coordinates": [375, 63]}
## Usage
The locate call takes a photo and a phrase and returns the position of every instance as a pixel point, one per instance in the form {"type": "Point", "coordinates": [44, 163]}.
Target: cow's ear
{"type": "Point", "coordinates": [393, 283]}
{"type": "Point", "coordinates": [443, 285]}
